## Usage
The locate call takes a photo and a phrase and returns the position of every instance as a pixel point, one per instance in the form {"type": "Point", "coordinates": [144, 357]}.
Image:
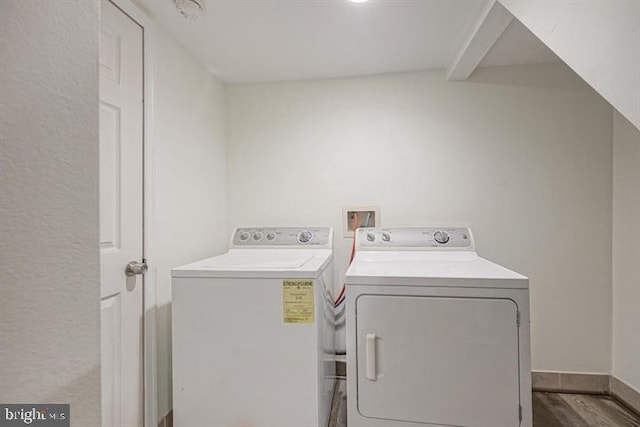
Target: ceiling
{"type": "Point", "coordinates": [274, 40]}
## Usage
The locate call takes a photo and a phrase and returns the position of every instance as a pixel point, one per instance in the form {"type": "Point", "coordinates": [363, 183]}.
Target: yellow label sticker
{"type": "Point", "coordinates": [297, 301]}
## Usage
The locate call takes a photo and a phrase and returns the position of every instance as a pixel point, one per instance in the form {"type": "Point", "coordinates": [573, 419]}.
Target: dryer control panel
{"type": "Point", "coordinates": [316, 237]}
{"type": "Point", "coordinates": [415, 238]}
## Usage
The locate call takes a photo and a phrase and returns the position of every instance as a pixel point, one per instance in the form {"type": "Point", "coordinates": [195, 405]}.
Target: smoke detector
{"type": "Point", "coordinates": [190, 9]}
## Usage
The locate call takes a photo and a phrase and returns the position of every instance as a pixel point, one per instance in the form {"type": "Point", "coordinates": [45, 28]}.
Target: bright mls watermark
{"type": "Point", "coordinates": [35, 414]}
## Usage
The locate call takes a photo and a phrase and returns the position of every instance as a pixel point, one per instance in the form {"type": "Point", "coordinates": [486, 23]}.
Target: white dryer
{"type": "Point", "coordinates": [436, 335]}
{"type": "Point", "coordinates": [253, 332]}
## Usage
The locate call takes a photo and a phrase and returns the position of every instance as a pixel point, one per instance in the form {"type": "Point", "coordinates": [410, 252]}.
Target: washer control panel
{"type": "Point", "coordinates": [282, 236]}
{"type": "Point", "coordinates": [415, 238]}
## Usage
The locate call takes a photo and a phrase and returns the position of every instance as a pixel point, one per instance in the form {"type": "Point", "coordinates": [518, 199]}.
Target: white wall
{"type": "Point", "coordinates": [190, 179]}
{"type": "Point", "coordinates": [49, 262]}
{"type": "Point", "coordinates": [626, 251]}
{"type": "Point", "coordinates": [529, 168]}
{"type": "Point", "coordinates": [598, 39]}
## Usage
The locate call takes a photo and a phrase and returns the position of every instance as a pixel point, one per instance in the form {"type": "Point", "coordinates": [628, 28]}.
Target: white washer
{"type": "Point", "coordinates": [436, 335]}
{"type": "Point", "coordinates": [253, 332]}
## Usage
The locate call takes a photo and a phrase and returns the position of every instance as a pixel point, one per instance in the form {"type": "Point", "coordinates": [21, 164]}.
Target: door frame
{"type": "Point", "coordinates": [150, 349]}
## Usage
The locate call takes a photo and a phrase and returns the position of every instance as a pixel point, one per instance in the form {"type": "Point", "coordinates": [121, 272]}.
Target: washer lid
{"type": "Point", "coordinates": [253, 261]}
{"type": "Point", "coordinates": [264, 263]}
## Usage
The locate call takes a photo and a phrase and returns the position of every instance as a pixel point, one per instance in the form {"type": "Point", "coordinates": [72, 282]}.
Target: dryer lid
{"type": "Point", "coordinates": [430, 269]}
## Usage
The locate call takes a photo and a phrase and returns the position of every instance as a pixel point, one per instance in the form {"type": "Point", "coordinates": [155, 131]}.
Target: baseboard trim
{"type": "Point", "coordinates": [570, 382]}
{"type": "Point", "coordinates": [167, 420]}
{"type": "Point", "coordinates": [625, 394]}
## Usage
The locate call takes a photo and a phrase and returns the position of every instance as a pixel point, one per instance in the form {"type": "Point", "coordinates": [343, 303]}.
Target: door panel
{"type": "Point", "coordinates": [450, 361]}
{"type": "Point", "coordinates": [109, 176]}
{"type": "Point", "coordinates": [121, 217]}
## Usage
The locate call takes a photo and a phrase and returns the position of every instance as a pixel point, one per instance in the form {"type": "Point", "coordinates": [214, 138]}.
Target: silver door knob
{"type": "Point", "coordinates": [135, 267]}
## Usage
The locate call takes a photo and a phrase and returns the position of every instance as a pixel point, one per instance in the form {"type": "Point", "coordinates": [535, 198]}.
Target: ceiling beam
{"type": "Point", "coordinates": [492, 23]}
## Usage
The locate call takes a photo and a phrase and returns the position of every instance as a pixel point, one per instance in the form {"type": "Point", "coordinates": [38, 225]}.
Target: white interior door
{"type": "Point", "coordinates": [438, 361]}
{"type": "Point", "coordinates": [121, 217]}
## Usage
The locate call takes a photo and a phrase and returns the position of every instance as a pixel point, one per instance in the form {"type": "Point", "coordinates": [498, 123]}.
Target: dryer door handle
{"type": "Point", "coordinates": [370, 354]}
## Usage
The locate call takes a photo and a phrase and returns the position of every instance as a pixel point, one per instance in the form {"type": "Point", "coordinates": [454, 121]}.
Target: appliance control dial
{"type": "Point", "coordinates": [244, 236]}
{"type": "Point", "coordinates": [441, 237]}
{"type": "Point", "coordinates": [386, 237]}
{"type": "Point", "coordinates": [257, 236]}
{"type": "Point", "coordinates": [305, 236]}
{"type": "Point", "coordinates": [371, 237]}
{"type": "Point", "coordinates": [271, 236]}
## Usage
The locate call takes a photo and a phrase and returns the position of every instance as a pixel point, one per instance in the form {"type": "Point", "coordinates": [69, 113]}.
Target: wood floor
{"type": "Point", "coordinates": [578, 410]}
{"type": "Point", "coordinates": [549, 410]}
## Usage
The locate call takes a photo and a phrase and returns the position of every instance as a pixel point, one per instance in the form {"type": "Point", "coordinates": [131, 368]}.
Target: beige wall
{"type": "Point", "coordinates": [189, 139]}
{"type": "Point", "coordinates": [49, 262]}
{"type": "Point", "coordinates": [626, 251]}
{"type": "Point", "coordinates": [525, 160]}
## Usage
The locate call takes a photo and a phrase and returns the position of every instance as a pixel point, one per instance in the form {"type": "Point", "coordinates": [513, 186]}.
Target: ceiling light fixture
{"type": "Point", "coordinates": [190, 9]}
{"type": "Point", "coordinates": [358, 1]}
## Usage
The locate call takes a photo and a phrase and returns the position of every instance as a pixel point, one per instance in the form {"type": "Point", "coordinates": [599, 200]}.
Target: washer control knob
{"type": "Point", "coordinates": [441, 237]}
{"type": "Point", "coordinates": [371, 237]}
{"type": "Point", "coordinates": [271, 236]}
{"type": "Point", "coordinates": [386, 237]}
{"type": "Point", "coordinates": [305, 236]}
{"type": "Point", "coordinates": [257, 236]}
{"type": "Point", "coordinates": [244, 236]}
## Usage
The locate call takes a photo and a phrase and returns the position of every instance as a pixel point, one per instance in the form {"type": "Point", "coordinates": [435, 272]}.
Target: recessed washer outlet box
{"type": "Point", "coordinates": [367, 216]}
